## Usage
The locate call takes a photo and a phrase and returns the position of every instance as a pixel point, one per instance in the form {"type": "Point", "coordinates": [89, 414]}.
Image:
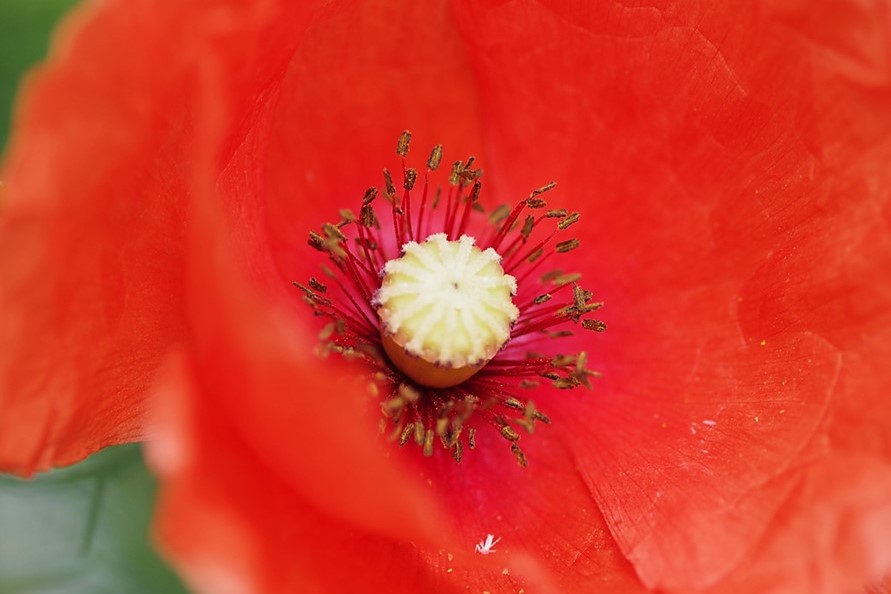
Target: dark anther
{"type": "Point", "coordinates": [332, 232]}
{"type": "Point", "coordinates": [367, 216]}
{"type": "Point", "coordinates": [411, 176]}
{"type": "Point", "coordinates": [317, 286]}
{"type": "Point", "coordinates": [389, 188]}
{"type": "Point", "coordinates": [499, 214]}
{"type": "Point", "coordinates": [567, 246]}
{"type": "Point", "coordinates": [370, 195]}
{"type": "Point", "coordinates": [475, 191]}
{"type": "Point", "coordinates": [316, 241]}
{"type": "Point", "coordinates": [402, 144]}
{"type": "Point", "coordinates": [435, 158]}
{"type": "Point", "coordinates": [595, 325]}
{"type": "Point", "coordinates": [545, 188]}
{"type": "Point", "coordinates": [568, 220]}
{"type": "Point", "coordinates": [519, 455]}
{"type": "Point", "coordinates": [508, 432]}
{"type": "Point", "coordinates": [528, 224]}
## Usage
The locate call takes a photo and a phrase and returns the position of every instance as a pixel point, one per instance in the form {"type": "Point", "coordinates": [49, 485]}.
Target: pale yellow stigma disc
{"type": "Point", "coordinates": [445, 309]}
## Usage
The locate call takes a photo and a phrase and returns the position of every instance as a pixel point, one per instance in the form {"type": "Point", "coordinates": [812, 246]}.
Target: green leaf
{"type": "Point", "coordinates": [82, 530]}
{"type": "Point", "coordinates": [25, 27]}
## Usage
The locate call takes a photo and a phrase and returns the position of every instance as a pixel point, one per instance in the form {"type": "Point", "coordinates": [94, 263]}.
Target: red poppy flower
{"type": "Point", "coordinates": [730, 167]}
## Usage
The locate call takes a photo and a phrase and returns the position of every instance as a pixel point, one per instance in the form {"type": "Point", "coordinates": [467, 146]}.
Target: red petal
{"type": "Point", "coordinates": [545, 511]}
{"type": "Point", "coordinates": [231, 522]}
{"type": "Point", "coordinates": [354, 84]}
{"type": "Point", "coordinates": [733, 175]}
{"type": "Point", "coordinates": [91, 238]}
{"type": "Point", "coordinates": [95, 203]}
{"type": "Point", "coordinates": [836, 520]}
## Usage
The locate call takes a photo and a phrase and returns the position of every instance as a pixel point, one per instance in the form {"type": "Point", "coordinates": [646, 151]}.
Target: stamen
{"type": "Point", "coordinates": [445, 325]}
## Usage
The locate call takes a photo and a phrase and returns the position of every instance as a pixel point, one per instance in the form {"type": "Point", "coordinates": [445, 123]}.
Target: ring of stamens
{"type": "Point", "coordinates": [549, 303]}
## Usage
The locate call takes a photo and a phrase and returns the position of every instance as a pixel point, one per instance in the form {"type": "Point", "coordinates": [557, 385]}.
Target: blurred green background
{"type": "Point", "coordinates": [25, 27]}
{"type": "Point", "coordinates": [84, 529]}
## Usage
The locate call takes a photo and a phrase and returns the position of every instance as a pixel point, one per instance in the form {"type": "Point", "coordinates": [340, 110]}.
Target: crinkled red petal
{"type": "Point", "coordinates": [835, 520]}
{"type": "Point", "coordinates": [91, 237]}
{"type": "Point", "coordinates": [730, 163]}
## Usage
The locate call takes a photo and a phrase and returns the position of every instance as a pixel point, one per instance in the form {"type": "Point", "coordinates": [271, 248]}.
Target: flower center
{"type": "Point", "coordinates": [445, 309]}
{"type": "Point", "coordinates": [456, 334]}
